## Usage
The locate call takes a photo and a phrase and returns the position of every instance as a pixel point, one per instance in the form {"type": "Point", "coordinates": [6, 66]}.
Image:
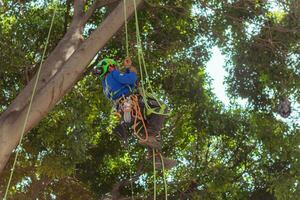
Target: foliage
{"type": "Point", "coordinates": [225, 152]}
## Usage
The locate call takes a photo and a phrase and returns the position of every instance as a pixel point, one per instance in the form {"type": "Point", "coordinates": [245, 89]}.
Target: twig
{"type": "Point", "coordinates": [96, 4]}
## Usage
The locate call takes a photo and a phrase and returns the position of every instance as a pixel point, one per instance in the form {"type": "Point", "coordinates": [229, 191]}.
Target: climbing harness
{"type": "Point", "coordinates": [110, 93]}
{"type": "Point", "coordinates": [130, 112]}
{"type": "Point", "coordinates": [138, 116]}
{"type": "Point", "coordinates": [127, 108]}
{"type": "Point", "coordinates": [30, 103]}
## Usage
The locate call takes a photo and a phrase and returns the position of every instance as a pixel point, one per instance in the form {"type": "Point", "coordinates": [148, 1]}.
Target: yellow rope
{"type": "Point", "coordinates": [127, 56]}
{"type": "Point", "coordinates": [143, 69]}
{"type": "Point", "coordinates": [30, 105]}
{"type": "Point", "coordinates": [154, 176]}
{"type": "Point", "coordinates": [126, 29]}
{"type": "Point", "coordinates": [130, 173]}
{"type": "Point", "coordinates": [164, 176]}
{"type": "Point", "coordinates": [139, 46]}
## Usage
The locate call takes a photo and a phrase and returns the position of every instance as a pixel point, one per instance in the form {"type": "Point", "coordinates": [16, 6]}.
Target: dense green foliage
{"type": "Point", "coordinates": [225, 152]}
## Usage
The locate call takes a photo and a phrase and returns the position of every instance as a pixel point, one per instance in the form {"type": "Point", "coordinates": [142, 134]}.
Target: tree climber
{"type": "Point", "coordinates": [121, 89]}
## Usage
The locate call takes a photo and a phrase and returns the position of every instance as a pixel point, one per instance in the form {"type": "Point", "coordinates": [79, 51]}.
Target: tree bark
{"type": "Point", "coordinates": [62, 52]}
{"type": "Point", "coordinates": [37, 186]}
{"type": "Point", "coordinates": [59, 84]}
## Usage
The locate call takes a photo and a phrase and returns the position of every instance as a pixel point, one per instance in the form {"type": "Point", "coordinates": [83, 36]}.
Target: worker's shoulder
{"type": "Point", "coordinates": [116, 72]}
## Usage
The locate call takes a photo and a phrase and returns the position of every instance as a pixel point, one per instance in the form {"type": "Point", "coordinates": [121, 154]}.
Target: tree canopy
{"type": "Point", "coordinates": [224, 151]}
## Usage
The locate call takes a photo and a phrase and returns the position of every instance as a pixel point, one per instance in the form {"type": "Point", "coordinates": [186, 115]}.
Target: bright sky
{"type": "Point", "coordinates": [216, 71]}
{"type": "Point", "coordinates": [215, 67]}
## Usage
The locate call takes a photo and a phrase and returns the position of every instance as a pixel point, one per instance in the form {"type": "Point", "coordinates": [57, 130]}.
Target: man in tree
{"type": "Point", "coordinates": [118, 87]}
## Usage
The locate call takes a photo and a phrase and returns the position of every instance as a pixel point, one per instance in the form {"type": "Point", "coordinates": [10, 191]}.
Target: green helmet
{"type": "Point", "coordinates": [103, 66]}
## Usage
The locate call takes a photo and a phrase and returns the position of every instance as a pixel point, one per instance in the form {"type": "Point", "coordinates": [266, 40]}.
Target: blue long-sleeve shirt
{"type": "Point", "coordinates": [117, 84]}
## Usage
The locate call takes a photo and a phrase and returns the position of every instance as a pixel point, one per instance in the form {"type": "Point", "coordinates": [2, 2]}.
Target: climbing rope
{"type": "Point", "coordinates": [127, 56]}
{"type": "Point", "coordinates": [138, 115]}
{"type": "Point", "coordinates": [145, 82]}
{"type": "Point", "coordinates": [126, 29]}
{"type": "Point", "coordinates": [154, 175]}
{"type": "Point", "coordinates": [30, 104]}
{"type": "Point", "coordinates": [164, 176]}
{"type": "Point", "coordinates": [130, 173]}
{"type": "Point", "coordinates": [145, 86]}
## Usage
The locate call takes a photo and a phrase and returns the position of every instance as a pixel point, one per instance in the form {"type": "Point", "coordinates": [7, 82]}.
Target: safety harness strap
{"type": "Point", "coordinates": [110, 94]}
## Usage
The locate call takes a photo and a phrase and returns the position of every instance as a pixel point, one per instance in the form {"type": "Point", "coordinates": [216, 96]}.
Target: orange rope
{"type": "Point", "coordinates": [138, 115]}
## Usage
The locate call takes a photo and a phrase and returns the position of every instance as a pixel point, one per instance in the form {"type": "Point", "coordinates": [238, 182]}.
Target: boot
{"type": "Point", "coordinates": [152, 142]}
{"type": "Point", "coordinates": [122, 132]}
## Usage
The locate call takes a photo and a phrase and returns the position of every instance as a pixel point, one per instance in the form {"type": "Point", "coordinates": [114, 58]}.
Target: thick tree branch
{"type": "Point", "coordinates": [63, 80]}
{"type": "Point", "coordinates": [79, 9]}
{"type": "Point", "coordinates": [118, 186]}
{"type": "Point", "coordinates": [38, 186]}
{"type": "Point", "coordinates": [62, 52]}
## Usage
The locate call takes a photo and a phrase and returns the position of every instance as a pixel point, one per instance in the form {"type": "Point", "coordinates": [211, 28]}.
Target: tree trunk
{"type": "Point", "coordinates": [55, 61]}
{"type": "Point", "coordinates": [47, 97]}
{"type": "Point", "coordinates": [62, 52]}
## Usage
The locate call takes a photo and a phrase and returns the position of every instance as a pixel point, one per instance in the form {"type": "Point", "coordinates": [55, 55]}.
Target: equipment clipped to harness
{"type": "Point", "coordinates": [153, 105]}
{"type": "Point", "coordinates": [127, 108]}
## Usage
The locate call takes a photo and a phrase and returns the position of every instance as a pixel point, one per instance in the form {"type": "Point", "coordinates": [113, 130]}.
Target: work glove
{"type": "Point", "coordinates": [128, 65]}
{"type": "Point", "coordinates": [127, 62]}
